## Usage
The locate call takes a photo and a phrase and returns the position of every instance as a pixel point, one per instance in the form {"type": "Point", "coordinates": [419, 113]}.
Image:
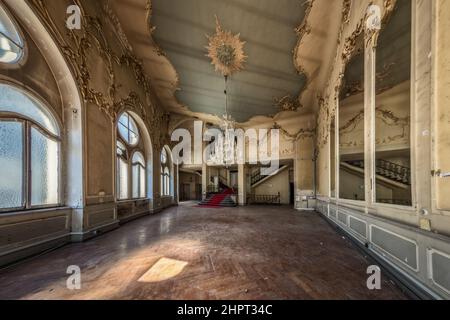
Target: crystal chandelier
{"type": "Point", "coordinates": [227, 55]}
{"type": "Point", "coordinates": [224, 150]}
{"type": "Point", "coordinates": [227, 126]}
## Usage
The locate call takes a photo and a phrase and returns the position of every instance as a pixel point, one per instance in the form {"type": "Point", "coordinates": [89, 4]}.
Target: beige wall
{"type": "Point", "coordinates": [98, 62]}
{"type": "Point", "coordinates": [442, 104]}
{"type": "Point", "coordinates": [275, 185]}
{"type": "Point", "coordinates": [427, 115]}
{"type": "Point", "coordinates": [192, 180]}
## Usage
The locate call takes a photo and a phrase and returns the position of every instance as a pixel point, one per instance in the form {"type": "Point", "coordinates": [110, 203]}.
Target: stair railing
{"type": "Point", "coordinates": [264, 199]}
{"type": "Point", "coordinates": [387, 169]}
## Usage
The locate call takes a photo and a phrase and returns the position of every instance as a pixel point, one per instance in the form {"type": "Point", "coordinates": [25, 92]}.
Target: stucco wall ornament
{"type": "Point", "coordinates": [287, 103]}
{"type": "Point", "coordinates": [301, 134]}
{"type": "Point", "coordinates": [388, 118]}
{"type": "Point", "coordinates": [302, 30]}
{"type": "Point", "coordinates": [226, 51]}
{"type": "Point", "coordinates": [328, 103]}
{"type": "Point", "coordinates": [77, 45]}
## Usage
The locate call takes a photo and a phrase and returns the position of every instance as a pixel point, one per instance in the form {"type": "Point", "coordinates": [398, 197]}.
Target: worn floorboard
{"type": "Point", "coordinates": [194, 253]}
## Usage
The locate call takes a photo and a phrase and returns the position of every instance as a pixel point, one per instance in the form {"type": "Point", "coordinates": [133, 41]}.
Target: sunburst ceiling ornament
{"type": "Point", "coordinates": [226, 51]}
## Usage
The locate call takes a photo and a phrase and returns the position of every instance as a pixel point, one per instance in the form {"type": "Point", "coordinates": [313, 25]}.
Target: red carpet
{"type": "Point", "coordinates": [217, 199]}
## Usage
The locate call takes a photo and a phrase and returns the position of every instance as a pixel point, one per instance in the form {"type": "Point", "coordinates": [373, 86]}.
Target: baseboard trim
{"type": "Point", "coordinates": [127, 219]}
{"type": "Point", "coordinates": [28, 252]}
{"type": "Point", "coordinates": [412, 288]}
{"type": "Point", "coordinates": [95, 232]}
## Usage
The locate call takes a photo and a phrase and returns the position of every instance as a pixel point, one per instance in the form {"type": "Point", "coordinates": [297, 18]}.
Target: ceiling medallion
{"type": "Point", "coordinates": [226, 51]}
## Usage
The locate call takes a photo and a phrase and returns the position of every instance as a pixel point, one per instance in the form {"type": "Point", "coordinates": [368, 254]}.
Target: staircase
{"type": "Point", "coordinates": [216, 200]}
{"type": "Point", "coordinates": [257, 178]}
{"type": "Point", "coordinates": [387, 170]}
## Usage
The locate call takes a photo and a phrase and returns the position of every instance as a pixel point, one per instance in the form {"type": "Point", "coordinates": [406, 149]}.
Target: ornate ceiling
{"type": "Point", "coordinates": [170, 36]}
{"type": "Point", "coordinates": [269, 74]}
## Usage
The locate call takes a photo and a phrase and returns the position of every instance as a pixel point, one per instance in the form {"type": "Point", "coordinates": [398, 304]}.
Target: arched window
{"type": "Point", "coordinates": [165, 173]}
{"type": "Point", "coordinates": [11, 44]}
{"type": "Point", "coordinates": [131, 172]}
{"type": "Point", "coordinates": [30, 146]}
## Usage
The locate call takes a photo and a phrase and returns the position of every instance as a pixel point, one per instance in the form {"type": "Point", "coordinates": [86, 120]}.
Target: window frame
{"type": "Point", "coordinates": [369, 111]}
{"type": "Point", "coordinates": [366, 74]}
{"type": "Point", "coordinates": [21, 60]}
{"type": "Point", "coordinates": [138, 135]}
{"type": "Point", "coordinates": [139, 166]}
{"type": "Point", "coordinates": [130, 150]}
{"type": "Point", "coordinates": [373, 66]}
{"type": "Point", "coordinates": [27, 125]}
{"type": "Point", "coordinates": [165, 174]}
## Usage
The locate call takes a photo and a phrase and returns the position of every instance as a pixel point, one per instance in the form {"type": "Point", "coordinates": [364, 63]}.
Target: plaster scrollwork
{"type": "Point", "coordinates": [287, 103]}
{"type": "Point", "coordinates": [302, 30]}
{"type": "Point", "coordinates": [301, 134]}
{"type": "Point", "coordinates": [388, 118]}
{"type": "Point", "coordinates": [328, 102]}
{"type": "Point", "coordinates": [76, 45]}
{"type": "Point", "coordinates": [372, 35]}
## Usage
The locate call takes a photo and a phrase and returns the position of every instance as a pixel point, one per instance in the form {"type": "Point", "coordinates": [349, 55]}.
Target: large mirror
{"type": "Point", "coordinates": [393, 108]}
{"type": "Point", "coordinates": [333, 158]}
{"type": "Point", "coordinates": [351, 127]}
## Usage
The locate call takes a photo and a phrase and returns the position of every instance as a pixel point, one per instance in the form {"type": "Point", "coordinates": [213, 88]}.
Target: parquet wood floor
{"type": "Point", "coordinates": [234, 253]}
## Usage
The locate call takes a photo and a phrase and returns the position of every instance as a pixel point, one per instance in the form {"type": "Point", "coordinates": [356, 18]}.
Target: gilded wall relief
{"type": "Point", "coordinates": [327, 102]}
{"type": "Point", "coordinates": [302, 30]}
{"type": "Point", "coordinates": [299, 135]}
{"type": "Point", "coordinates": [77, 46]}
{"type": "Point", "coordinates": [288, 103]}
{"type": "Point", "coordinates": [394, 130]}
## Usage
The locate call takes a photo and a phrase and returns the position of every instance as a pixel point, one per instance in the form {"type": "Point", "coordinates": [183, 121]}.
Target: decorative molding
{"type": "Point", "coordinates": [302, 30]}
{"type": "Point", "coordinates": [299, 135]}
{"type": "Point", "coordinates": [76, 46]}
{"type": "Point", "coordinates": [388, 118]}
{"type": "Point", "coordinates": [287, 103]}
{"type": "Point", "coordinates": [226, 51]}
{"type": "Point", "coordinates": [328, 102]}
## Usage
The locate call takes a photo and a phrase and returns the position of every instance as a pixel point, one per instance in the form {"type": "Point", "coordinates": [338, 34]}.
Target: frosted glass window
{"type": "Point", "coordinates": [138, 182]}
{"type": "Point", "coordinates": [15, 101]}
{"type": "Point", "coordinates": [44, 170]}
{"type": "Point", "coordinates": [165, 181]}
{"type": "Point", "coordinates": [164, 156]}
{"type": "Point", "coordinates": [138, 175]}
{"type": "Point", "coordinates": [121, 150]}
{"type": "Point", "coordinates": [11, 45]}
{"type": "Point", "coordinates": [11, 165]}
{"type": "Point", "coordinates": [123, 179]}
{"type": "Point", "coordinates": [142, 183]}
{"type": "Point", "coordinates": [128, 129]}
{"type": "Point", "coordinates": [29, 152]}
{"type": "Point", "coordinates": [139, 158]}
{"type": "Point", "coordinates": [135, 176]}
{"type": "Point", "coordinates": [163, 190]}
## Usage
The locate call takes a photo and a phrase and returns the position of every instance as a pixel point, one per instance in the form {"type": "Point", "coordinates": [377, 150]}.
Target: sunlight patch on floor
{"type": "Point", "coordinates": [162, 270]}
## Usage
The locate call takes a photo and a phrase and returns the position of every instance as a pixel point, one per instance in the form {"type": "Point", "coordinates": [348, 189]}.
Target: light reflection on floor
{"type": "Point", "coordinates": [162, 270]}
